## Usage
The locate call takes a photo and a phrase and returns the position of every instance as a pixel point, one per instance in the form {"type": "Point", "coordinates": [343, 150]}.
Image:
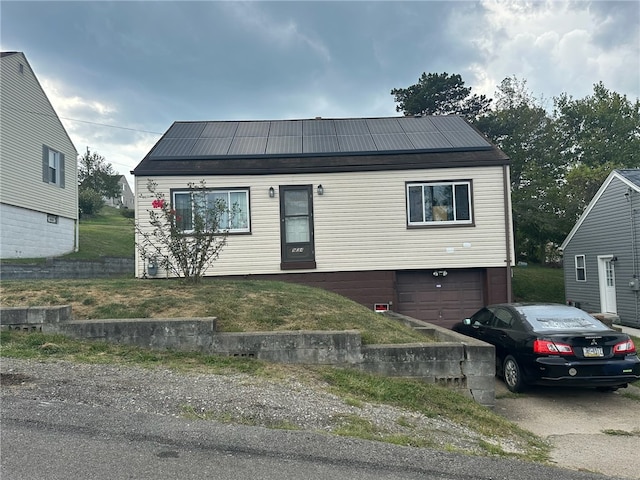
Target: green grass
{"type": "Point", "coordinates": [538, 284]}
{"type": "Point", "coordinates": [238, 305]}
{"type": "Point", "coordinates": [107, 234]}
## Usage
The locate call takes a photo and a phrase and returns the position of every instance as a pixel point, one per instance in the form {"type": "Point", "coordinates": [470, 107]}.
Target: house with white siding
{"type": "Point", "coordinates": [125, 197]}
{"type": "Point", "coordinates": [409, 213]}
{"type": "Point", "coordinates": [38, 168]}
{"type": "Point", "coordinates": [602, 251]}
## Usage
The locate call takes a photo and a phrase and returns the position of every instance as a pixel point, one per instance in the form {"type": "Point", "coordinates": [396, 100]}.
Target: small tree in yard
{"type": "Point", "coordinates": [185, 247]}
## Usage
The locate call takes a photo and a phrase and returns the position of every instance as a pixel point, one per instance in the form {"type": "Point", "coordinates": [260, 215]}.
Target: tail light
{"type": "Point", "coordinates": [547, 347]}
{"type": "Point", "coordinates": [626, 347]}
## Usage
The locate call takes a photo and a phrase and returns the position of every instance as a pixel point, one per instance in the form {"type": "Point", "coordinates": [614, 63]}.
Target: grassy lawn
{"type": "Point", "coordinates": [240, 306]}
{"type": "Point", "coordinates": [538, 284]}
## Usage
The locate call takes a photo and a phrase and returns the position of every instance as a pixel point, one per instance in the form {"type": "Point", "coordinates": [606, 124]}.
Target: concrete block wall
{"type": "Point", "coordinates": [56, 268]}
{"type": "Point", "coordinates": [28, 234]}
{"type": "Point", "coordinates": [462, 363]}
{"type": "Point", "coordinates": [301, 347]}
{"type": "Point", "coordinates": [184, 334]}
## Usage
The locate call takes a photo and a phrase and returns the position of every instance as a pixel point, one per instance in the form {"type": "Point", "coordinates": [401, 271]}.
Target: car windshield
{"type": "Point", "coordinates": [559, 317]}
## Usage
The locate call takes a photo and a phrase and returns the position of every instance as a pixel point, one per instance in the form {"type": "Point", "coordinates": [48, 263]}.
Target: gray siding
{"type": "Point", "coordinates": [606, 230]}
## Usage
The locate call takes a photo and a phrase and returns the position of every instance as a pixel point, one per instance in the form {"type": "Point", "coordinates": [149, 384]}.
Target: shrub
{"type": "Point", "coordinates": [89, 201]}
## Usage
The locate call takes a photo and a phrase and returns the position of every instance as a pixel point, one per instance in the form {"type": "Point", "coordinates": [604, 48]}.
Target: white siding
{"type": "Point", "coordinates": [360, 222]}
{"type": "Point", "coordinates": [28, 122]}
{"type": "Point", "coordinates": [28, 234]}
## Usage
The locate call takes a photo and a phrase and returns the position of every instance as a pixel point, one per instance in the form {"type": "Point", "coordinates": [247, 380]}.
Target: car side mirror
{"type": "Point", "coordinates": [467, 321]}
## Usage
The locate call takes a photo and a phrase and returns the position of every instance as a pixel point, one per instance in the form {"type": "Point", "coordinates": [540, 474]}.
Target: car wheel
{"type": "Point", "coordinates": [512, 375]}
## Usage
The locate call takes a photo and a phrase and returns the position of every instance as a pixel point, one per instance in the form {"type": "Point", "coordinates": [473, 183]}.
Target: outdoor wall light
{"type": "Point", "coordinates": [272, 192]}
{"type": "Point", "coordinates": [320, 190]}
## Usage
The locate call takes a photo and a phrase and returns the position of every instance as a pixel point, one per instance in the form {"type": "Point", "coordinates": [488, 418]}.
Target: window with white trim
{"type": "Point", "coordinates": [234, 201]}
{"type": "Point", "coordinates": [52, 166]}
{"type": "Point", "coordinates": [439, 203]}
{"type": "Point", "coordinates": [581, 269]}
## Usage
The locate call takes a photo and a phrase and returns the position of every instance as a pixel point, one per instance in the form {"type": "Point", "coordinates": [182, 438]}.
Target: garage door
{"type": "Point", "coordinates": [442, 300]}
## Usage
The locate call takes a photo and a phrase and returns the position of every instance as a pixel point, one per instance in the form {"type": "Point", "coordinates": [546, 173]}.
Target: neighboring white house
{"type": "Point", "coordinates": [409, 212]}
{"type": "Point", "coordinates": [126, 198]}
{"type": "Point", "coordinates": [38, 168]}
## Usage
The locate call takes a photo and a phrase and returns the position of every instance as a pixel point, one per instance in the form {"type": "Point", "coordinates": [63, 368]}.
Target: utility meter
{"type": "Point", "coordinates": [634, 283]}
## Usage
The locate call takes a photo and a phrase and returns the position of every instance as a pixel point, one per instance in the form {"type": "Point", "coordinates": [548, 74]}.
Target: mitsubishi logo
{"type": "Point", "coordinates": [594, 341]}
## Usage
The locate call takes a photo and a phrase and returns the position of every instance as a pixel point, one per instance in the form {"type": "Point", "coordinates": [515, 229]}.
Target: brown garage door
{"type": "Point", "coordinates": [442, 300]}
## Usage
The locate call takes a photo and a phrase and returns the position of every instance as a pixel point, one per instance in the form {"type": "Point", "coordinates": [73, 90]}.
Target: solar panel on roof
{"type": "Point", "coordinates": [285, 128]}
{"type": "Point", "coordinates": [220, 129]}
{"type": "Point", "coordinates": [253, 129]}
{"type": "Point", "coordinates": [290, 144]}
{"type": "Point", "coordinates": [185, 130]}
{"type": "Point", "coordinates": [449, 122]}
{"type": "Point", "coordinates": [393, 141]}
{"type": "Point", "coordinates": [319, 144]}
{"type": "Point", "coordinates": [318, 127]}
{"type": "Point", "coordinates": [429, 140]}
{"type": "Point", "coordinates": [352, 135]}
{"type": "Point", "coordinates": [351, 127]}
{"type": "Point", "coordinates": [356, 143]}
{"type": "Point", "coordinates": [384, 125]}
{"type": "Point", "coordinates": [211, 146]}
{"type": "Point", "coordinates": [248, 146]}
{"type": "Point", "coordinates": [417, 124]}
{"type": "Point", "coordinates": [173, 147]}
{"type": "Point", "coordinates": [465, 139]}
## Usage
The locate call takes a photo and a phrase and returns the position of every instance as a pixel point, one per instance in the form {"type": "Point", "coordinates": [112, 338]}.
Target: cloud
{"type": "Point", "coordinates": [557, 46]}
{"type": "Point", "coordinates": [283, 33]}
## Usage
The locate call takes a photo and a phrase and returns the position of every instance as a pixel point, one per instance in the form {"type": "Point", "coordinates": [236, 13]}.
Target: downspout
{"type": "Point", "coordinates": [634, 249]}
{"type": "Point", "coordinates": [507, 226]}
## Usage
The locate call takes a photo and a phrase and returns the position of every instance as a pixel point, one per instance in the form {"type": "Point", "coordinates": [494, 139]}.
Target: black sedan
{"type": "Point", "coordinates": [553, 344]}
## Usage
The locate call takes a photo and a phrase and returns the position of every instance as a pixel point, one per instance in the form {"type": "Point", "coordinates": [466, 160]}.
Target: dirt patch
{"type": "Point", "coordinates": [12, 379]}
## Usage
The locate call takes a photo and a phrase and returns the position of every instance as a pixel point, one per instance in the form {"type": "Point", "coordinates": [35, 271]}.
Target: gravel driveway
{"type": "Point", "coordinates": [572, 420]}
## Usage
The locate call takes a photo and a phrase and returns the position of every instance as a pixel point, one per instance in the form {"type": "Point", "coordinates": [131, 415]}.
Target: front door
{"type": "Point", "coordinates": [607, 279]}
{"type": "Point", "coordinates": [296, 227]}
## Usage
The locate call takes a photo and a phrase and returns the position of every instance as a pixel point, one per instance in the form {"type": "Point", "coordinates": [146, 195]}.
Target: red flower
{"type": "Point", "coordinates": [158, 203]}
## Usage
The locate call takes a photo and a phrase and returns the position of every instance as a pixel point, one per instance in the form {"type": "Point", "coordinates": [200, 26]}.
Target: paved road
{"type": "Point", "coordinates": [575, 420]}
{"type": "Point", "coordinates": [63, 440]}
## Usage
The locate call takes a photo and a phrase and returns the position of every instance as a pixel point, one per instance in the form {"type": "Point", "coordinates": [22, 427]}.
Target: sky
{"type": "Point", "coordinates": [120, 73]}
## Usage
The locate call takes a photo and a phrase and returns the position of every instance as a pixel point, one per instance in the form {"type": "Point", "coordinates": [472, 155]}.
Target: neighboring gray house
{"type": "Point", "coordinates": [409, 212]}
{"type": "Point", "coordinates": [38, 168]}
{"type": "Point", "coordinates": [126, 198]}
{"type": "Point", "coordinates": [602, 251]}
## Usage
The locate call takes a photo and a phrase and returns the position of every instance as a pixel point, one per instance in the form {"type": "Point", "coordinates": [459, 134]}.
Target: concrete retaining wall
{"type": "Point", "coordinates": [68, 269]}
{"type": "Point", "coordinates": [461, 363]}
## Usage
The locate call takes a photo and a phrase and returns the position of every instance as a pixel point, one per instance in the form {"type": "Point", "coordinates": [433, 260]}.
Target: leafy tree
{"type": "Point", "coordinates": [559, 161]}
{"type": "Point", "coordinates": [179, 253]}
{"type": "Point", "coordinates": [89, 201]}
{"type": "Point", "coordinates": [440, 94]}
{"type": "Point", "coordinates": [598, 134]}
{"type": "Point", "coordinates": [521, 127]}
{"type": "Point", "coordinates": [96, 174]}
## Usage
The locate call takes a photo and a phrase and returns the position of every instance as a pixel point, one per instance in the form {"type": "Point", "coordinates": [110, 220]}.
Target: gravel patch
{"type": "Point", "coordinates": [235, 398]}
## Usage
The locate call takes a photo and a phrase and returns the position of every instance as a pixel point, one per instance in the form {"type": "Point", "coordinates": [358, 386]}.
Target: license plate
{"type": "Point", "coordinates": [592, 351]}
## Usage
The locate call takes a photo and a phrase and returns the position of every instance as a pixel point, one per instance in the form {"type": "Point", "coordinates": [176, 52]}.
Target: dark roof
{"type": "Point", "coordinates": [6, 54]}
{"type": "Point", "coordinates": [315, 145]}
{"type": "Point", "coordinates": [631, 174]}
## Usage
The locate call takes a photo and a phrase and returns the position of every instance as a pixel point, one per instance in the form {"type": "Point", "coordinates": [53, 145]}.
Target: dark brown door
{"type": "Point", "coordinates": [296, 227]}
